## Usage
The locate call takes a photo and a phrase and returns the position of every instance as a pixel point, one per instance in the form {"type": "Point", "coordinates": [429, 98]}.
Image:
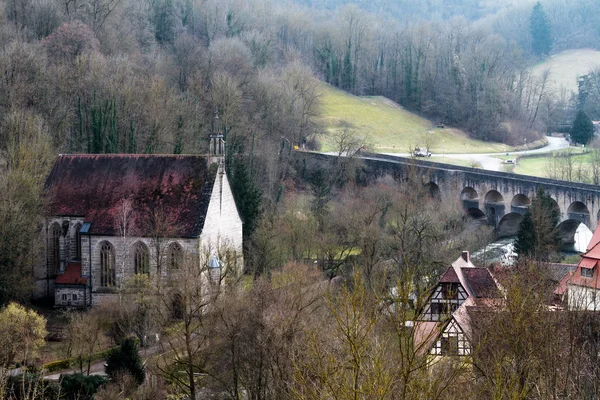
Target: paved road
{"type": "Point", "coordinates": [489, 161]}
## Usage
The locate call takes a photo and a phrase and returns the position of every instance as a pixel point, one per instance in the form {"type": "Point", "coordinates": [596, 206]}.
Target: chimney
{"type": "Point", "coordinates": [465, 256]}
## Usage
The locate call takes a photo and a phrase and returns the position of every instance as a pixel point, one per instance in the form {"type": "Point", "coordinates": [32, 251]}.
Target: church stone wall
{"type": "Point", "coordinates": [64, 297]}
{"type": "Point", "coordinates": [43, 277]}
{"type": "Point", "coordinates": [124, 256]}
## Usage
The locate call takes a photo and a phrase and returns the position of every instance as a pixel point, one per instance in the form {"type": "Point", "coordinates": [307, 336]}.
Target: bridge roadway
{"type": "Point", "coordinates": [500, 198]}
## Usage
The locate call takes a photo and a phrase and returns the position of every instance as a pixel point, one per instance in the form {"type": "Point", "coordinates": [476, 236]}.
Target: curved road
{"type": "Point", "coordinates": [490, 162]}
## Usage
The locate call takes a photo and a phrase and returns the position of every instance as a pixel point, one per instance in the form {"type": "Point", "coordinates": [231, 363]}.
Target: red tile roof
{"type": "Point", "coordinates": [94, 187]}
{"type": "Point", "coordinates": [481, 282]}
{"type": "Point", "coordinates": [449, 276]}
{"type": "Point", "coordinates": [595, 240]}
{"type": "Point", "coordinates": [71, 276]}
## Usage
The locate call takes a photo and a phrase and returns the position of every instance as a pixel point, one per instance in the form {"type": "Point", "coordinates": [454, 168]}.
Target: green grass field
{"type": "Point", "coordinates": [388, 128]}
{"type": "Point", "coordinates": [567, 66]}
{"type": "Point", "coordinates": [542, 165]}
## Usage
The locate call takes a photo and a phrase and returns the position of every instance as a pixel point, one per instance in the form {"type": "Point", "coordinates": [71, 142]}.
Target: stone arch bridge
{"type": "Point", "coordinates": [499, 198]}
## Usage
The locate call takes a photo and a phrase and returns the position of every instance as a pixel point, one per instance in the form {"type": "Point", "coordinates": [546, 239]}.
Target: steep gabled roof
{"type": "Point", "coordinates": [595, 240]}
{"type": "Point", "coordinates": [94, 186]}
{"type": "Point", "coordinates": [449, 276]}
{"type": "Point", "coordinates": [481, 282]}
{"type": "Point", "coordinates": [425, 334]}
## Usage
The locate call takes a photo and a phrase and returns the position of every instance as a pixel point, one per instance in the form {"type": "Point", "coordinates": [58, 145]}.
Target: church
{"type": "Point", "coordinates": [116, 215]}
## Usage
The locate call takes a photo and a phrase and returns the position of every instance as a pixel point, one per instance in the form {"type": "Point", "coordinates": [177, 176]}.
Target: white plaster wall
{"type": "Point", "coordinates": [583, 298]}
{"type": "Point", "coordinates": [223, 225]}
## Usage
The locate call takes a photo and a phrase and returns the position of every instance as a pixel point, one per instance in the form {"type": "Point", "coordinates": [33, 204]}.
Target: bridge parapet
{"type": "Point", "coordinates": [577, 202]}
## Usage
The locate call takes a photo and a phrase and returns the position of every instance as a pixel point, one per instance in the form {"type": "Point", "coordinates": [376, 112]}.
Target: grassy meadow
{"type": "Point", "coordinates": [389, 128]}
{"type": "Point", "coordinates": [567, 66]}
{"type": "Point", "coordinates": [552, 165]}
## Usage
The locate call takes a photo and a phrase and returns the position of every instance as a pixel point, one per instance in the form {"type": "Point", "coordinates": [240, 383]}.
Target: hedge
{"type": "Point", "coordinates": [67, 363]}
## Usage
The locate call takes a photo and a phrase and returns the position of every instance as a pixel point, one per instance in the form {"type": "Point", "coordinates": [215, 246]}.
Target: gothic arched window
{"type": "Point", "coordinates": [107, 265]}
{"type": "Point", "coordinates": [78, 242]}
{"type": "Point", "coordinates": [141, 259]}
{"type": "Point", "coordinates": [54, 248]}
{"type": "Point", "coordinates": [174, 256]}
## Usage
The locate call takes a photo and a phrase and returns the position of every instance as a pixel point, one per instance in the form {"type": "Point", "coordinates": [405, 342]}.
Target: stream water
{"type": "Point", "coordinates": [502, 250]}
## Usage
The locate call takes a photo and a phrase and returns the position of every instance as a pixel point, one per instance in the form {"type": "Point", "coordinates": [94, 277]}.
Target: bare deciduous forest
{"type": "Point", "coordinates": [337, 268]}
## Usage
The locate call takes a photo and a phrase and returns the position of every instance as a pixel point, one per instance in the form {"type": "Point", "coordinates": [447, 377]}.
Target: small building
{"type": "Point", "coordinates": [444, 325]}
{"type": "Point", "coordinates": [70, 288]}
{"type": "Point", "coordinates": [580, 289]}
{"type": "Point", "coordinates": [117, 215]}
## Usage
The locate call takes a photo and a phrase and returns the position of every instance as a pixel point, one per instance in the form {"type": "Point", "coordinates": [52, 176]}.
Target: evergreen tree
{"type": "Point", "coordinates": [540, 29]}
{"type": "Point", "coordinates": [125, 360]}
{"type": "Point", "coordinates": [347, 71]}
{"type": "Point", "coordinates": [247, 195]}
{"type": "Point", "coordinates": [538, 235]}
{"type": "Point", "coordinates": [525, 242]}
{"type": "Point", "coordinates": [582, 129]}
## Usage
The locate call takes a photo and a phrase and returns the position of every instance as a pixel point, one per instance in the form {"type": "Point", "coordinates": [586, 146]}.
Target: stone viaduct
{"type": "Point", "coordinates": [499, 198]}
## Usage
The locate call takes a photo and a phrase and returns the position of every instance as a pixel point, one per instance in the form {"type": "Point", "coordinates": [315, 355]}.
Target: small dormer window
{"type": "Point", "coordinates": [587, 272]}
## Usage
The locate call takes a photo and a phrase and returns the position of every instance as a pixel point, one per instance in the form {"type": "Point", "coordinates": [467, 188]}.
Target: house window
{"type": "Point", "coordinates": [78, 242]}
{"type": "Point", "coordinates": [141, 259]}
{"type": "Point", "coordinates": [63, 297]}
{"type": "Point", "coordinates": [443, 308]}
{"type": "Point", "coordinates": [107, 265]}
{"type": "Point", "coordinates": [54, 249]}
{"type": "Point", "coordinates": [450, 345]}
{"type": "Point", "coordinates": [449, 291]}
{"type": "Point", "coordinates": [174, 256]}
{"type": "Point", "coordinates": [587, 272]}
{"type": "Point", "coordinates": [436, 308]}
{"type": "Point", "coordinates": [74, 297]}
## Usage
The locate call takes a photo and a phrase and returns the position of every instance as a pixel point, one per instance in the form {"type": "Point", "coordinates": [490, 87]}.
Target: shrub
{"type": "Point", "coordinates": [31, 387]}
{"type": "Point", "coordinates": [79, 386]}
{"type": "Point", "coordinates": [126, 360]}
{"type": "Point", "coordinates": [58, 365]}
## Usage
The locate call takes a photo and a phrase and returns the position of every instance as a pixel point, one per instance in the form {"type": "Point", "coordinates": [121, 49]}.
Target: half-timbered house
{"type": "Point", "coordinates": [444, 326]}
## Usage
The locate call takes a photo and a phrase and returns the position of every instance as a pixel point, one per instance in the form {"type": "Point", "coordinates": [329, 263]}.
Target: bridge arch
{"type": "Point", "coordinates": [469, 193]}
{"type": "Point", "coordinates": [567, 230]}
{"type": "Point", "coordinates": [520, 203]}
{"type": "Point", "coordinates": [494, 206]}
{"type": "Point", "coordinates": [494, 196]}
{"type": "Point", "coordinates": [520, 200]}
{"type": "Point", "coordinates": [509, 224]}
{"type": "Point", "coordinates": [578, 211]}
{"type": "Point", "coordinates": [476, 214]}
{"type": "Point", "coordinates": [434, 190]}
{"type": "Point", "coordinates": [469, 198]}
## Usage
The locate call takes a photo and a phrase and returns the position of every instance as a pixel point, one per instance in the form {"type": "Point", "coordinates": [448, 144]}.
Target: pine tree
{"type": "Point", "coordinates": [538, 235]}
{"type": "Point", "coordinates": [582, 129]}
{"type": "Point", "coordinates": [540, 29]}
{"type": "Point", "coordinates": [247, 194]}
{"type": "Point", "coordinates": [526, 240]}
{"type": "Point", "coordinates": [126, 359]}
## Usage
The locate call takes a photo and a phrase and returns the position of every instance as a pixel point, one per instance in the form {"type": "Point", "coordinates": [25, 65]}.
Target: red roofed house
{"type": "Point", "coordinates": [582, 286]}
{"type": "Point", "coordinates": [444, 328]}
{"type": "Point", "coordinates": [173, 205]}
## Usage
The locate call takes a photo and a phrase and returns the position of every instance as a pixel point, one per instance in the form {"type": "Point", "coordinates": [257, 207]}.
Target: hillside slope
{"type": "Point", "coordinates": [567, 66]}
{"type": "Point", "coordinates": [388, 128]}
